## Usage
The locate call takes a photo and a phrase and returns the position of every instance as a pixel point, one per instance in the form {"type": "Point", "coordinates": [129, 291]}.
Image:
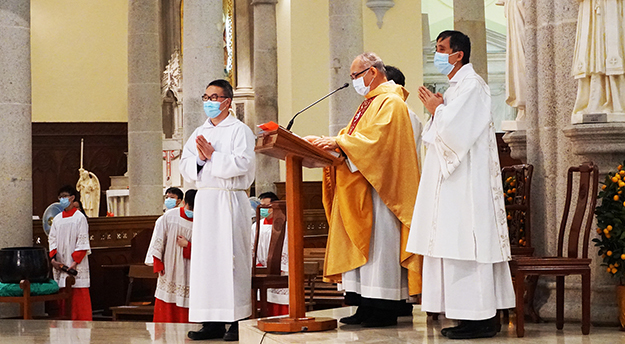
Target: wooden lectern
{"type": "Point", "coordinates": [297, 152]}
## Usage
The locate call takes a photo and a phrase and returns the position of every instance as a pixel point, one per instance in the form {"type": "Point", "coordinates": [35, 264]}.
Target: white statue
{"type": "Point", "coordinates": [598, 60]}
{"type": "Point", "coordinates": [89, 187]}
{"type": "Point", "coordinates": [515, 56]}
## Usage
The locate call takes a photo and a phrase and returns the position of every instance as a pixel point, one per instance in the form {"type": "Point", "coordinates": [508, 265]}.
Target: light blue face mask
{"type": "Point", "coordinates": [211, 108]}
{"type": "Point", "coordinates": [441, 62]}
{"type": "Point", "coordinates": [170, 203]}
{"type": "Point", "coordinates": [64, 202]}
{"type": "Point", "coordinates": [264, 212]}
{"type": "Point", "coordinates": [188, 213]}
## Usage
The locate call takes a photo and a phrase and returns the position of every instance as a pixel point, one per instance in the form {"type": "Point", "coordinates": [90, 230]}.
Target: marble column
{"type": "Point", "coordinates": [553, 145]}
{"type": "Point", "coordinates": [469, 19]}
{"type": "Point", "coordinates": [265, 85]}
{"type": "Point", "coordinates": [145, 126]}
{"type": "Point", "coordinates": [15, 130]}
{"type": "Point", "coordinates": [202, 57]}
{"type": "Point", "coordinates": [346, 42]}
{"type": "Point", "coordinates": [15, 124]}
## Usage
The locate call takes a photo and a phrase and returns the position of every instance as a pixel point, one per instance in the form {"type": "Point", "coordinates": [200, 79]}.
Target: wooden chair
{"type": "Point", "coordinates": [264, 278]}
{"type": "Point", "coordinates": [518, 208]}
{"type": "Point", "coordinates": [141, 309]}
{"type": "Point", "coordinates": [27, 299]}
{"type": "Point", "coordinates": [571, 264]}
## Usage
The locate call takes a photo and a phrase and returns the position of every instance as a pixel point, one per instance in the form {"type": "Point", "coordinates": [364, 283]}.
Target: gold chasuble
{"type": "Point", "coordinates": [380, 143]}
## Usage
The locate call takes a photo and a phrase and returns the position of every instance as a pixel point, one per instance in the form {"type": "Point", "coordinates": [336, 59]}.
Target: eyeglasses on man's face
{"type": "Point", "coordinates": [354, 76]}
{"type": "Point", "coordinates": [214, 97]}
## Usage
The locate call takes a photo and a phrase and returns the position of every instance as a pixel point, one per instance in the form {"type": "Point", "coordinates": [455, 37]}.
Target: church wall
{"type": "Point", "coordinates": [303, 61]}
{"type": "Point", "coordinates": [79, 60]}
{"type": "Point", "coordinates": [398, 43]}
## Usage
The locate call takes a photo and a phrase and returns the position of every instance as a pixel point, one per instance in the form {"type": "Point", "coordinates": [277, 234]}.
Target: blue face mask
{"type": "Point", "coordinates": [264, 212]}
{"type": "Point", "coordinates": [170, 203]}
{"type": "Point", "coordinates": [441, 62]}
{"type": "Point", "coordinates": [64, 202]}
{"type": "Point", "coordinates": [211, 108]}
{"type": "Point", "coordinates": [188, 213]}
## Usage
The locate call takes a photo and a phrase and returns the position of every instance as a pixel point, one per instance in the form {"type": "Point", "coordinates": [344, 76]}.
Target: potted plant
{"type": "Point", "coordinates": [610, 213]}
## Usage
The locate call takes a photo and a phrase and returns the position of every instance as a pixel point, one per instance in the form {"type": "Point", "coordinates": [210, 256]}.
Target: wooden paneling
{"type": "Point", "coordinates": [56, 157]}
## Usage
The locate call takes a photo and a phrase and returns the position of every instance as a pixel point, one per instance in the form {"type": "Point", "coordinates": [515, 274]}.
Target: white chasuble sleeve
{"type": "Point", "coordinates": [82, 237]}
{"type": "Point", "coordinates": [457, 125]}
{"type": "Point", "coordinates": [52, 241]}
{"type": "Point", "coordinates": [157, 243]}
{"type": "Point", "coordinates": [238, 162]}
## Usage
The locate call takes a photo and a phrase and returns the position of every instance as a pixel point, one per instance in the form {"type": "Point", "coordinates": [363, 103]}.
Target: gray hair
{"type": "Point", "coordinates": [371, 59]}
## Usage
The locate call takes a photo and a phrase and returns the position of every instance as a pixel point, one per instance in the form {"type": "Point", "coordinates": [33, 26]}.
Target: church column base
{"type": "Point", "coordinates": [517, 141]}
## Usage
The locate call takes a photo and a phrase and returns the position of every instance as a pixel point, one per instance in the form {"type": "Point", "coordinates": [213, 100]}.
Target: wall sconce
{"type": "Point", "coordinates": [379, 7]}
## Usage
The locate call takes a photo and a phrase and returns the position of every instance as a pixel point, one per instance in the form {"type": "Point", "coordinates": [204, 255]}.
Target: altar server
{"type": "Point", "coordinates": [169, 254]}
{"type": "Point", "coordinates": [69, 246]}
{"type": "Point", "coordinates": [219, 158]}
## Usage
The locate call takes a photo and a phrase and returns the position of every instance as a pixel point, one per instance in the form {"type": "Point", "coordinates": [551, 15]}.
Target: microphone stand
{"type": "Point", "coordinates": [288, 127]}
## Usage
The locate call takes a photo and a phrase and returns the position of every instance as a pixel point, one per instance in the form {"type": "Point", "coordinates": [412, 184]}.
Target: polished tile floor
{"type": "Point", "coordinates": [419, 329]}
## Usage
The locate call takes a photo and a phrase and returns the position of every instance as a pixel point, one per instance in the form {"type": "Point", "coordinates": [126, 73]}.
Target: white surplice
{"type": "Point", "coordinates": [274, 295]}
{"type": "Point", "coordinates": [173, 285]}
{"type": "Point", "coordinates": [221, 261]}
{"type": "Point", "coordinates": [459, 212]}
{"type": "Point", "coordinates": [67, 235]}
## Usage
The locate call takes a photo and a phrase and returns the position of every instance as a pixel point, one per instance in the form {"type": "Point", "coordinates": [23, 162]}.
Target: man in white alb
{"type": "Point", "coordinates": [459, 222]}
{"type": "Point", "coordinates": [219, 158]}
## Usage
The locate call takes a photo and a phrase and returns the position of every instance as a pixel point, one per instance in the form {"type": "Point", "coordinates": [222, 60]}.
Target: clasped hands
{"type": "Point", "coordinates": [204, 148]}
{"type": "Point", "coordinates": [430, 100]}
{"type": "Point", "coordinates": [323, 142]}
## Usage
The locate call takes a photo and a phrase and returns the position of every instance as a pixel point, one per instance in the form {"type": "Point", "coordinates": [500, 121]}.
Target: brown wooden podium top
{"type": "Point", "coordinates": [279, 143]}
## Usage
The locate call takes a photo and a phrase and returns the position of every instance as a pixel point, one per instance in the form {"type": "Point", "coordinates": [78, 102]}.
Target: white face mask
{"type": "Point", "coordinates": [359, 84]}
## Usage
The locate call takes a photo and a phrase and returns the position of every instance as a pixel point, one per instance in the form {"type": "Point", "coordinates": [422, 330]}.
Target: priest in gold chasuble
{"type": "Point", "coordinates": [369, 200]}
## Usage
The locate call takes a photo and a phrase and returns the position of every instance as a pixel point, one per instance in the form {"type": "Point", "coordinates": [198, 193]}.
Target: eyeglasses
{"type": "Point", "coordinates": [354, 76]}
{"type": "Point", "coordinates": [212, 97]}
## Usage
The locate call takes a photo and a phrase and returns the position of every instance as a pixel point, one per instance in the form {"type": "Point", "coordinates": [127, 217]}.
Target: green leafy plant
{"type": "Point", "coordinates": [516, 219]}
{"type": "Point", "coordinates": [611, 222]}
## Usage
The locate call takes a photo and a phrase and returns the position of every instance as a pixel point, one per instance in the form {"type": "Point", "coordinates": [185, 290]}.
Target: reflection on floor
{"type": "Point", "coordinates": [419, 329]}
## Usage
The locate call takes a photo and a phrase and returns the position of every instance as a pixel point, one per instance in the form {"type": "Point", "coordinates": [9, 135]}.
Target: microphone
{"type": "Point", "coordinates": [288, 127]}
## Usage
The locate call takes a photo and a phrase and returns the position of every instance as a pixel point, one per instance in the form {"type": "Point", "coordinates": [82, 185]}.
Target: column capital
{"type": "Point", "coordinates": [265, 2]}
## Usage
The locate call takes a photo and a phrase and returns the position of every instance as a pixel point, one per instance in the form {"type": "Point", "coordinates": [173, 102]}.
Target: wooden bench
{"type": "Point", "coordinates": [324, 295]}
{"type": "Point", "coordinates": [140, 309]}
{"type": "Point", "coordinates": [26, 300]}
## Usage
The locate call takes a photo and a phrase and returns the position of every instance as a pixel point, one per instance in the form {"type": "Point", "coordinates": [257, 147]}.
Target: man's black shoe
{"type": "Point", "coordinates": [232, 335]}
{"type": "Point", "coordinates": [474, 329]}
{"type": "Point", "coordinates": [380, 318]}
{"type": "Point", "coordinates": [461, 325]}
{"type": "Point", "coordinates": [209, 330]}
{"type": "Point", "coordinates": [357, 318]}
{"type": "Point", "coordinates": [405, 310]}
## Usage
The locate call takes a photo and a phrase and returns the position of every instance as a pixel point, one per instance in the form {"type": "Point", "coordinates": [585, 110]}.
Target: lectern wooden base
{"type": "Point", "coordinates": [296, 325]}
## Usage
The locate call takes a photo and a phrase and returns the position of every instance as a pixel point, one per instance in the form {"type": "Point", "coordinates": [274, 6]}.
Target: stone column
{"type": "Point", "coordinates": [15, 130]}
{"type": "Point", "coordinates": [469, 19]}
{"type": "Point", "coordinates": [145, 126]}
{"type": "Point", "coordinates": [202, 57]}
{"type": "Point", "coordinates": [265, 85]}
{"type": "Point", "coordinates": [553, 146]}
{"type": "Point", "coordinates": [346, 42]}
